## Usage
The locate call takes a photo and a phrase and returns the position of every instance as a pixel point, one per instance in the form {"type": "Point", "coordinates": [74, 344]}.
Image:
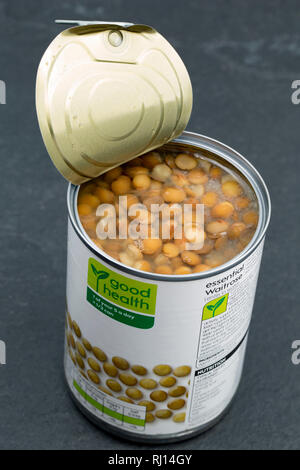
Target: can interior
{"type": "Point", "coordinates": [210, 156]}
{"type": "Point", "coordinates": [214, 151]}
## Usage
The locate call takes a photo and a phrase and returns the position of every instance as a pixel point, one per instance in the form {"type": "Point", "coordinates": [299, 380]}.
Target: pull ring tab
{"type": "Point", "coordinates": [85, 23]}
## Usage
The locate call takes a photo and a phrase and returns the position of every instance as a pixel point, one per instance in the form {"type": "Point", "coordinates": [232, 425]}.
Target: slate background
{"type": "Point", "coordinates": [242, 57]}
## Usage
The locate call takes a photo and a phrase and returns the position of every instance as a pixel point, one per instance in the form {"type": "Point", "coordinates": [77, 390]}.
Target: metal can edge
{"type": "Point", "coordinates": [228, 154]}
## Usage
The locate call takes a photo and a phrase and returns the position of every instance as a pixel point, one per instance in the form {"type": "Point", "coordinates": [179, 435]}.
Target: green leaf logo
{"type": "Point", "coordinates": [99, 275]}
{"type": "Point", "coordinates": [215, 307]}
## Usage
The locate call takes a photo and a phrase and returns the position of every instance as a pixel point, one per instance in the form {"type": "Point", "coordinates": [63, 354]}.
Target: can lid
{"type": "Point", "coordinates": [107, 93]}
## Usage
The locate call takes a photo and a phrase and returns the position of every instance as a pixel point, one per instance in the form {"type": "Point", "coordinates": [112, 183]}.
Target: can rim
{"type": "Point", "coordinates": [228, 154]}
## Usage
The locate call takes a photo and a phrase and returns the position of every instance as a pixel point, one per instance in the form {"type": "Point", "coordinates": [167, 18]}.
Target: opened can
{"type": "Point", "coordinates": [150, 357]}
{"type": "Point", "coordinates": [146, 358]}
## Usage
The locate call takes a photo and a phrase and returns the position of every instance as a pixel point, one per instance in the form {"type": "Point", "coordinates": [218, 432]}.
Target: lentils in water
{"type": "Point", "coordinates": [170, 181]}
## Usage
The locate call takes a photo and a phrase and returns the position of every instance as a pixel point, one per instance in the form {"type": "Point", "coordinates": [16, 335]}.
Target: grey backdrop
{"type": "Point", "coordinates": [242, 57]}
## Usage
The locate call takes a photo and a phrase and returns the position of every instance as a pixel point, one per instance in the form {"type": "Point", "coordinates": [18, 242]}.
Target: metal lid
{"type": "Point", "coordinates": [107, 93]}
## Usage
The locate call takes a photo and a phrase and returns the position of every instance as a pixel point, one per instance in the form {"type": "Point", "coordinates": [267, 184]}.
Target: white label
{"type": "Point", "coordinates": [197, 330]}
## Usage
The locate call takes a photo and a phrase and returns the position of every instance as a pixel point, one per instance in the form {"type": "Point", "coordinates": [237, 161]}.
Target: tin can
{"type": "Point", "coordinates": [173, 369]}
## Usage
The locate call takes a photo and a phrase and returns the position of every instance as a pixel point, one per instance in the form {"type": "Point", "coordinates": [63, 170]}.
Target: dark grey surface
{"type": "Point", "coordinates": [242, 57]}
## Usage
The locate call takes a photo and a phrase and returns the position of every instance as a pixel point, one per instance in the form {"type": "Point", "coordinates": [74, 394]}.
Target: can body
{"type": "Point", "coordinates": [153, 358]}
